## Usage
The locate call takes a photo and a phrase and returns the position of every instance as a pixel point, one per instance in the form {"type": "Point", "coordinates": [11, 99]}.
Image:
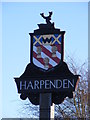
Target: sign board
{"type": "Point", "coordinates": [47, 72]}
{"type": "Point", "coordinates": [39, 86]}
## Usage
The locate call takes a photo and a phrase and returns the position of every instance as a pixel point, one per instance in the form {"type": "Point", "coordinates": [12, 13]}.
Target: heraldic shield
{"type": "Point", "coordinates": [47, 50]}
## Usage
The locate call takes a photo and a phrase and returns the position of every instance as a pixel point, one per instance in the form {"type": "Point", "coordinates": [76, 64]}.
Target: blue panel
{"type": "Point", "coordinates": [41, 39]}
{"type": "Point", "coordinates": [34, 40]}
{"type": "Point", "coordinates": [37, 44]}
{"type": "Point", "coordinates": [56, 43]}
{"type": "Point", "coordinates": [56, 35]}
{"type": "Point", "coordinates": [52, 39]}
{"type": "Point", "coordinates": [60, 39]}
{"type": "Point", "coordinates": [37, 36]}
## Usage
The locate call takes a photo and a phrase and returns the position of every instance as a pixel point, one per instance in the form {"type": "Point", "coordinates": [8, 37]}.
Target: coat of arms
{"type": "Point", "coordinates": [47, 50]}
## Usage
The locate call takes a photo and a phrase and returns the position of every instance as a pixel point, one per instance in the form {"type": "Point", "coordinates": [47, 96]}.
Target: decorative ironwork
{"type": "Point", "coordinates": [47, 18]}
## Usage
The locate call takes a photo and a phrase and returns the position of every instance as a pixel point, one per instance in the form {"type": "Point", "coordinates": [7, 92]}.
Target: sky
{"type": "Point", "coordinates": [21, 18]}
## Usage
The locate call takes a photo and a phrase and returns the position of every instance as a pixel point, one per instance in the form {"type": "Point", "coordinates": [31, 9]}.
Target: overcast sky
{"type": "Point", "coordinates": [20, 19]}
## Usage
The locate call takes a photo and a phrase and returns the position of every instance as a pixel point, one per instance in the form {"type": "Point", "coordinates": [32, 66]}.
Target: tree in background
{"type": "Point", "coordinates": [77, 107]}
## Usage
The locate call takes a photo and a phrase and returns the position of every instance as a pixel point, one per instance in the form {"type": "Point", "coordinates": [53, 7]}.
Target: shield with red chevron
{"type": "Point", "coordinates": [47, 50]}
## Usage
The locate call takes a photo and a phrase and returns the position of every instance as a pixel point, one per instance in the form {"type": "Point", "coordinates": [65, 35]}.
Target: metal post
{"type": "Point", "coordinates": [45, 106]}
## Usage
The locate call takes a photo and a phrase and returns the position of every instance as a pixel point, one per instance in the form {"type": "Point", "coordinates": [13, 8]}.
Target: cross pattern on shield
{"type": "Point", "coordinates": [47, 50]}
